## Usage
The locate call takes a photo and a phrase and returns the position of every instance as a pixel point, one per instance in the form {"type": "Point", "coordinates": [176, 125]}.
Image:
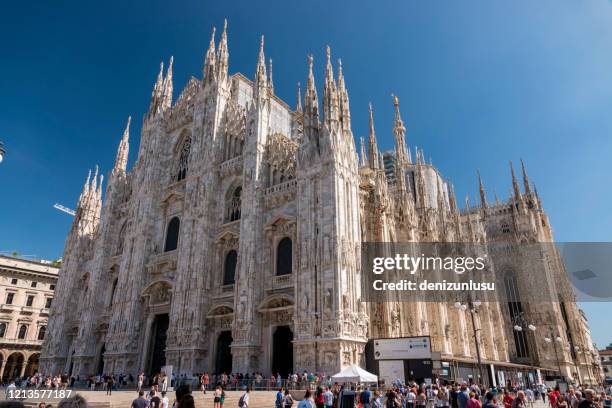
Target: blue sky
{"type": "Point", "coordinates": [480, 83]}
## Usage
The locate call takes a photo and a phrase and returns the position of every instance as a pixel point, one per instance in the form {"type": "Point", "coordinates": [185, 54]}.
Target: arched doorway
{"type": "Point", "coordinates": [32, 367]}
{"type": "Point", "coordinates": [14, 362]}
{"type": "Point", "coordinates": [160, 334]}
{"type": "Point", "coordinates": [71, 363]}
{"type": "Point", "coordinates": [100, 369]}
{"type": "Point", "coordinates": [223, 362]}
{"type": "Point", "coordinates": [282, 351]}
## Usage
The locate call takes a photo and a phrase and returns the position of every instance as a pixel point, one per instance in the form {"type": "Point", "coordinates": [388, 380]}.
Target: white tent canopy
{"type": "Point", "coordinates": [354, 374]}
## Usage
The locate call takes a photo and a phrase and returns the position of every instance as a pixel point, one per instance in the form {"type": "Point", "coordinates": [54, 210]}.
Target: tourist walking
{"type": "Point", "coordinates": [307, 402]}
{"type": "Point", "coordinates": [140, 381]}
{"type": "Point", "coordinates": [164, 400]}
{"type": "Point", "coordinates": [164, 383]}
{"type": "Point", "coordinates": [217, 396]}
{"type": "Point", "coordinates": [474, 402]}
{"type": "Point", "coordinates": [244, 400]}
{"type": "Point", "coordinates": [110, 383]}
{"type": "Point", "coordinates": [287, 400]}
{"type": "Point", "coordinates": [141, 401]}
{"type": "Point", "coordinates": [278, 402]}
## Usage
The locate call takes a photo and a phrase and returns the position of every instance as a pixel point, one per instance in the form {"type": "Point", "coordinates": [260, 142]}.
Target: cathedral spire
{"type": "Point", "coordinates": [209, 60]}
{"type": "Point", "coordinates": [99, 191]}
{"type": "Point", "coordinates": [167, 87]}
{"type": "Point", "coordinates": [452, 199]}
{"type": "Point", "coordinates": [515, 185]}
{"type": "Point", "coordinates": [123, 150]}
{"type": "Point", "coordinates": [440, 192]}
{"type": "Point", "coordinates": [471, 234]}
{"type": "Point", "coordinates": [270, 80]}
{"type": "Point", "coordinates": [483, 194]}
{"type": "Point", "coordinates": [399, 130]}
{"type": "Point", "coordinates": [157, 89]}
{"type": "Point", "coordinates": [537, 196]}
{"type": "Point", "coordinates": [525, 179]}
{"type": "Point", "coordinates": [311, 100]}
{"type": "Point", "coordinates": [372, 144]}
{"type": "Point", "coordinates": [330, 99]}
{"type": "Point", "coordinates": [364, 158]}
{"type": "Point", "coordinates": [156, 95]}
{"type": "Point", "coordinates": [260, 70]}
{"type": "Point", "coordinates": [345, 111]}
{"type": "Point", "coordinates": [94, 182]}
{"type": "Point", "coordinates": [223, 54]}
{"type": "Point", "coordinates": [85, 191]}
{"type": "Point", "coordinates": [298, 103]}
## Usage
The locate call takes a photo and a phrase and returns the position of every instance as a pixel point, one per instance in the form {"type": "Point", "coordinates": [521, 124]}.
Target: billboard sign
{"type": "Point", "coordinates": [391, 371]}
{"type": "Point", "coordinates": [404, 348]}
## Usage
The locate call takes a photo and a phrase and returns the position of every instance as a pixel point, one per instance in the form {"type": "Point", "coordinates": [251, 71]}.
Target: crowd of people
{"type": "Point", "coordinates": [415, 395]}
{"type": "Point", "coordinates": [318, 391]}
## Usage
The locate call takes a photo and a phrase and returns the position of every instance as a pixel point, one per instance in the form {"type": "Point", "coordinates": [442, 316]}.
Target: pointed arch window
{"type": "Point", "coordinates": [41, 332]}
{"type": "Point", "coordinates": [515, 308]}
{"type": "Point", "coordinates": [121, 239]}
{"type": "Point", "coordinates": [172, 234]}
{"type": "Point", "coordinates": [229, 267]}
{"type": "Point", "coordinates": [183, 164]}
{"type": "Point", "coordinates": [232, 212]}
{"type": "Point", "coordinates": [284, 257]}
{"type": "Point", "coordinates": [23, 331]}
{"type": "Point", "coordinates": [113, 290]}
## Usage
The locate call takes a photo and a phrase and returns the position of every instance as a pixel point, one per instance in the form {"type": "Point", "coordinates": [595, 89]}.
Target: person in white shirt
{"type": "Point", "coordinates": [410, 398]}
{"type": "Point", "coordinates": [245, 398]}
{"type": "Point", "coordinates": [10, 390]}
{"type": "Point", "coordinates": [329, 398]}
{"type": "Point", "coordinates": [164, 401]}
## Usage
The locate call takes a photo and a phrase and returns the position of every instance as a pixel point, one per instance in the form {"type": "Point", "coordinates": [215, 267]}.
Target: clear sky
{"type": "Point", "coordinates": [480, 82]}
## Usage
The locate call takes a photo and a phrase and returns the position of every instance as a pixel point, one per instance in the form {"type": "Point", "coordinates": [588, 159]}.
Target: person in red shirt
{"type": "Point", "coordinates": [552, 399]}
{"type": "Point", "coordinates": [508, 399]}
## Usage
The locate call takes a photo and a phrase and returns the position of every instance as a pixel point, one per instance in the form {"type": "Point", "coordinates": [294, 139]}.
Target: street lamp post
{"type": "Point", "coordinates": [472, 306]}
{"type": "Point", "coordinates": [557, 339]}
{"type": "Point", "coordinates": [519, 323]}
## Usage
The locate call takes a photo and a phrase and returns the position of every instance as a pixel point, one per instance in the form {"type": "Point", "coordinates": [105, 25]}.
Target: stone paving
{"type": "Point", "coordinates": [123, 399]}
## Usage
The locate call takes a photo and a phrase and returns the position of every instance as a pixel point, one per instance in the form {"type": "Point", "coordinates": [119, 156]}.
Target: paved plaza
{"type": "Point", "coordinates": [123, 399]}
{"type": "Point", "coordinates": [99, 399]}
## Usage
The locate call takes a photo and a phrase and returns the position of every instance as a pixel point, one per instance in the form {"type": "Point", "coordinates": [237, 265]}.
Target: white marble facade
{"type": "Point", "coordinates": [240, 178]}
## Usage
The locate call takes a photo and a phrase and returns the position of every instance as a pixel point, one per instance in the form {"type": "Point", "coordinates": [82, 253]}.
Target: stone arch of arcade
{"type": "Point", "coordinates": [18, 363]}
